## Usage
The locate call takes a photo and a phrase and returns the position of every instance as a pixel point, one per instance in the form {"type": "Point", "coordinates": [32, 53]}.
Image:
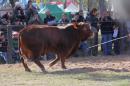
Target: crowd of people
{"type": "Point", "coordinates": [106, 24]}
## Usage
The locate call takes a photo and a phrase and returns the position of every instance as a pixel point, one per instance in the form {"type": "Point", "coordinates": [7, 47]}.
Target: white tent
{"type": "Point", "coordinates": [72, 8]}
{"type": "Point", "coordinates": [61, 6]}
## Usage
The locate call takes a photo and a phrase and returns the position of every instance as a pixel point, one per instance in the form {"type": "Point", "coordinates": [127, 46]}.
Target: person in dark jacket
{"type": "Point", "coordinates": [50, 20]}
{"type": "Point", "coordinates": [64, 19]}
{"type": "Point", "coordinates": [32, 16]}
{"type": "Point", "coordinates": [78, 17]}
{"type": "Point", "coordinates": [81, 16]}
{"type": "Point", "coordinates": [94, 21]}
{"type": "Point", "coordinates": [107, 24]}
{"type": "Point", "coordinates": [6, 19]}
{"type": "Point", "coordinates": [3, 47]}
{"type": "Point", "coordinates": [18, 14]}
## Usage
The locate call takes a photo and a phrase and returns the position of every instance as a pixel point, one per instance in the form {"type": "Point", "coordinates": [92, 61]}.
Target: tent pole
{"type": "Point", "coordinates": [65, 4]}
{"type": "Point", "coordinates": [81, 4]}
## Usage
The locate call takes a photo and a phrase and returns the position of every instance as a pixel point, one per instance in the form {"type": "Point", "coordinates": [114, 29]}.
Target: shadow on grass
{"type": "Point", "coordinates": [87, 70]}
{"type": "Point", "coordinates": [105, 77]}
{"type": "Point", "coordinates": [91, 74]}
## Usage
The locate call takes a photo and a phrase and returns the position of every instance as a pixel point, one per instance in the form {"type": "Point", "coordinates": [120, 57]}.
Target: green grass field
{"type": "Point", "coordinates": [81, 72]}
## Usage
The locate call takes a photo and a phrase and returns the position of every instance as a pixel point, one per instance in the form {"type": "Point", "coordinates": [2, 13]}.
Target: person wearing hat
{"type": "Point", "coordinates": [92, 18]}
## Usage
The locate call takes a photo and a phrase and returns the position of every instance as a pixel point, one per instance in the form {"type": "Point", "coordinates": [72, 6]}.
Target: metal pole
{"type": "Point", "coordinates": [10, 46]}
{"type": "Point", "coordinates": [65, 4]}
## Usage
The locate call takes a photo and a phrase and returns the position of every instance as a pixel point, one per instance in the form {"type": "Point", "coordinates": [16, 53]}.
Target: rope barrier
{"type": "Point", "coordinates": [108, 41]}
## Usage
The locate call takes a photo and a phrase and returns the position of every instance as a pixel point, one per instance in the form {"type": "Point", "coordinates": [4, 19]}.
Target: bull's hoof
{"type": "Point", "coordinates": [64, 67]}
{"type": "Point", "coordinates": [44, 71]}
{"type": "Point", "coordinates": [28, 70]}
{"type": "Point", "coordinates": [65, 70]}
{"type": "Point", "coordinates": [50, 65]}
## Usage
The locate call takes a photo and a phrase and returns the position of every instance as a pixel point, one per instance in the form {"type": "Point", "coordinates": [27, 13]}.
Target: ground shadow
{"type": "Point", "coordinates": [87, 70]}
{"type": "Point", "coordinates": [90, 74]}
{"type": "Point", "coordinates": [93, 74]}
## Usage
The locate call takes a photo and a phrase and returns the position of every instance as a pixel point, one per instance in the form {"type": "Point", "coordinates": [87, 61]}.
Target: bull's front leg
{"type": "Point", "coordinates": [25, 65]}
{"type": "Point", "coordinates": [38, 63]}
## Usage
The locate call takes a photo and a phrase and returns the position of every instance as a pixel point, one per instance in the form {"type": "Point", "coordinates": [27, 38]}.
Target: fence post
{"type": "Point", "coordinates": [10, 46]}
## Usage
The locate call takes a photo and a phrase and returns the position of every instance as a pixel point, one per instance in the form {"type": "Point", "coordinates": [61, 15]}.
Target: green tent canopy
{"type": "Point", "coordinates": [54, 9]}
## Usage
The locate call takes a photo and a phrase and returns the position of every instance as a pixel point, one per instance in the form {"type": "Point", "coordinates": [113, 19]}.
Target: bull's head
{"type": "Point", "coordinates": [86, 30]}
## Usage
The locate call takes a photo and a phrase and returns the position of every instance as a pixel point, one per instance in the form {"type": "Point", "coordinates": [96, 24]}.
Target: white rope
{"type": "Point", "coordinates": [108, 41]}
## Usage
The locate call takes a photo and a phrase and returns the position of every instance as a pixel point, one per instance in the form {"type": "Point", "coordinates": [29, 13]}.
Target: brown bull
{"type": "Point", "coordinates": [37, 40]}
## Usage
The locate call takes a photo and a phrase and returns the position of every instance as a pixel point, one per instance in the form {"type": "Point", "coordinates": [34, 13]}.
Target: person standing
{"type": "Point", "coordinates": [107, 28]}
{"type": "Point", "coordinates": [15, 55]}
{"type": "Point", "coordinates": [3, 47]}
{"type": "Point", "coordinates": [94, 21]}
{"type": "Point", "coordinates": [116, 35]}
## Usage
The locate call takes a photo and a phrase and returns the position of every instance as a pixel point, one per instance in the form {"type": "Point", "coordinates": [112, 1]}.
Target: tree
{"type": "Point", "coordinates": [12, 2]}
{"type": "Point", "coordinates": [102, 6]}
{"type": "Point", "coordinates": [93, 4]}
{"type": "Point", "coordinates": [81, 4]}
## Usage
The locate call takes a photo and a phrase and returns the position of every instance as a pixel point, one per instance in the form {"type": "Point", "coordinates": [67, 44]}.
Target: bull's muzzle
{"type": "Point", "coordinates": [92, 36]}
{"type": "Point", "coordinates": [94, 30]}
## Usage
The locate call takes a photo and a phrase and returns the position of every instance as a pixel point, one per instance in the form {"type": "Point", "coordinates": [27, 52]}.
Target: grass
{"type": "Point", "coordinates": [14, 75]}
{"type": "Point", "coordinates": [15, 78]}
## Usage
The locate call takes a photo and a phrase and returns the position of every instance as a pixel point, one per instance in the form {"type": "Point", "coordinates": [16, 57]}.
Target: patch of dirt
{"type": "Point", "coordinates": [88, 64]}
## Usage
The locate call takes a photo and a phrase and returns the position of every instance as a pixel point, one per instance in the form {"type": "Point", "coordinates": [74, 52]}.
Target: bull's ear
{"type": "Point", "coordinates": [75, 25]}
{"type": "Point", "coordinates": [81, 24]}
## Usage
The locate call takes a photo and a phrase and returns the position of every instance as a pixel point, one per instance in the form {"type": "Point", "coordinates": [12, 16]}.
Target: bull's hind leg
{"type": "Point", "coordinates": [39, 64]}
{"type": "Point", "coordinates": [63, 63]}
{"type": "Point", "coordinates": [54, 61]}
{"type": "Point", "coordinates": [25, 65]}
{"type": "Point", "coordinates": [59, 57]}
